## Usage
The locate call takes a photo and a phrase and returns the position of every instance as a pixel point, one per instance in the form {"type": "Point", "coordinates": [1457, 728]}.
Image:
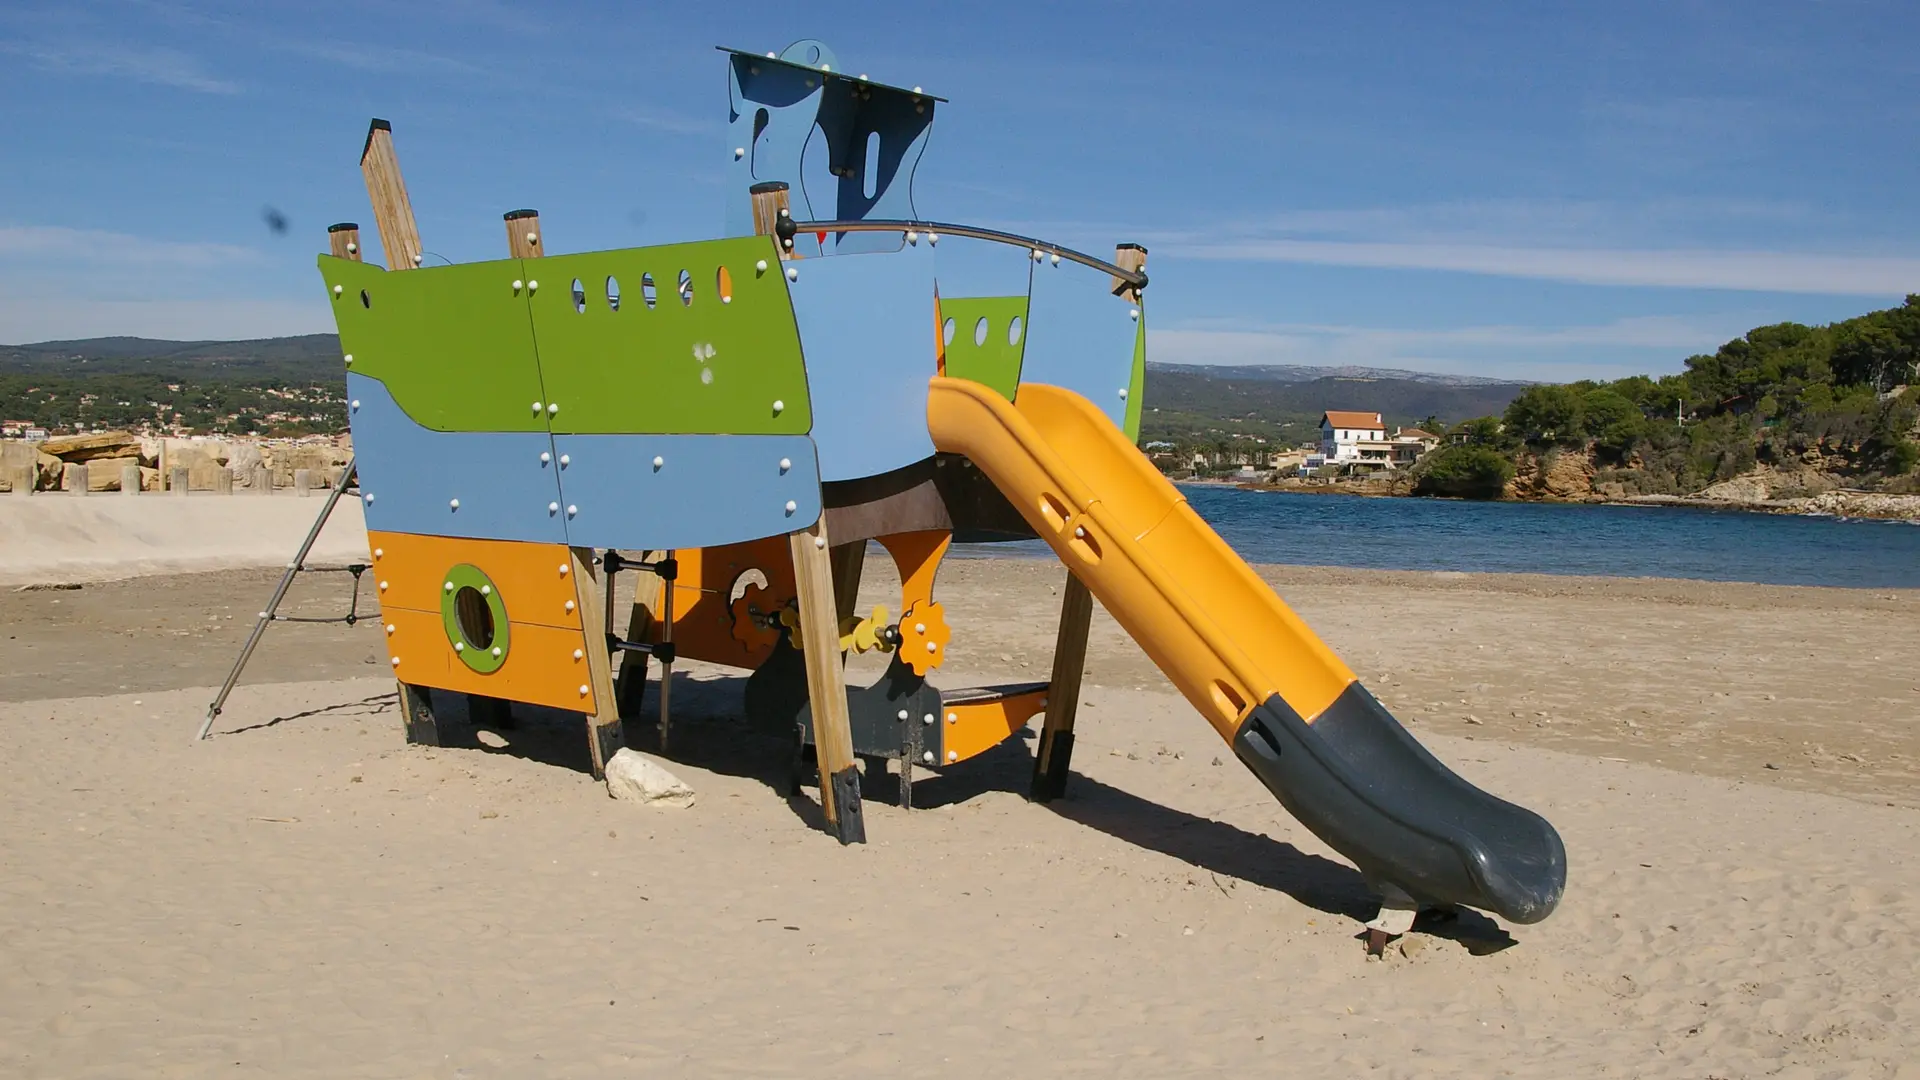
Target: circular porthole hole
{"type": "Point", "coordinates": [579, 297]}
{"type": "Point", "coordinates": [470, 610]}
{"type": "Point", "coordinates": [365, 300]}
{"type": "Point", "coordinates": [686, 289]}
{"type": "Point", "coordinates": [946, 331]}
{"type": "Point", "coordinates": [1014, 328]}
{"type": "Point", "coordinates": [980, 331]}
{"type": "Point", "coordinates": [613, 293]}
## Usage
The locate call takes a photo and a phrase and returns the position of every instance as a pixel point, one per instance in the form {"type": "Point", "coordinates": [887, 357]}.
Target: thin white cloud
{"type": "Point", "coordinates": [1624, 346]}
{"type": "Point", "coordinates": [58, 243]}
{"type": "Point", "coordinates": [375, 58]}
{"type": "Point", "coordinates": [1752, 271]}
{"type": "Point", "coordinates": [671, 121]}
{"type": "Point", "coordinates": [147, 64]}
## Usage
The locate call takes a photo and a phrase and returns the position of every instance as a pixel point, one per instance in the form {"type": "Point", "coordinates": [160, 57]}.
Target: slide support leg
{"type": "Point", "coordinates": [1055, 754]}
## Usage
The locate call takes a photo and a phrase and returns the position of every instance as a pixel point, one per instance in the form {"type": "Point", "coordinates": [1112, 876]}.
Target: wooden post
{"type": "Point", "coordinates": [1051, 761]}
{"type": "Point", "coordinates": [770, 204]}
{"type": "Point", "coordinates": [605, 736]}
{"type": "Point", "coordinates": [392, 211]}
{"type": "Point", "coordinates": [223, 481]}
{"type": "Point", "coordinates": [1132, 257]}
{"type": "Point", "coordinates": [343, 240]}
{"type": "Point", "coordinates": [129, 479]}
{"type": "Point", "coordinates": [523, 233]}
{"type": "Point", "coordinates": [179, 479]}
{"type": "Point", "coordinates": [848, 561]}
{"type": "Point", "coordinates": [826, 684]}
{"type": "Point", "coordinates": [77, 478]}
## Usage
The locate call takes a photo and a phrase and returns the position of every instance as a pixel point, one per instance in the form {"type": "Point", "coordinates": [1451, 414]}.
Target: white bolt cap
{"type": "Point", "coordinates": [659, 462]}
{"type": "Point", "coordinates": [537, 406]}
{"type": "Point", "coordinates": [569, 605]}
{"type": "Point", "coordinates": [931, 647]}
{"type": "Point", "coordinates": [545, 457]}
{"type": "Point", "coordinates": [552, 408]}
{"type": "Point", "coordinates": [349, 358]}
{"type": "Point", "coordinates": [1080, 531]}
{"type": "Point", "coordinates": [553, 508]}
{"type": "Point", "coordinates": [533, 238]}
{"type": "Point", "coordinates": [390, 628]}
{"type": "Point", "coordinates": [459, 646]}
{"type": "Point", "coordinates": [819, 541]}
{"type": "Point", "coordinates": [383, 586]}
{"type": "Point", "coordinates": [563, 569]}
{"type": "Point", "coordinates": [1123, 391]}
{"type": "Point", "coordinates": [496, 650]}
{"type": "Point", "coordinates": [953, 755]}
{"type": "Point", "coordinates": [779, 406]}
{"type": "Point", "coordinates": [793, 273]}
{"type": "Point", "coordinates": [566, 460]}
{"type": "Point", "coordinates": [919, 628]}
{"type": "Point", "coordinates": [572, 510]}
{"type": "Point", "coordinates": [352, 248]}
{"type": "Point", "coordinates": [356, 403]}
{"type": "Point", "coordinates": [577, 654]}
{"type": "Point", "coordinates": [583, 690]}
{"type": "Point", "coordinates": [903, 714]}
{"type": "Point", "coordinates": [378, 552]}
{"type": "Point", "coordinates": [916, 90]}
{"type": "Point", "coordinates": [1133, 313]}
{"type": "Point", "coordinates": [785, 464]}
{"type": "Point", "coordinates": [792, 506]}
{"type": "Point", "coordinates": [416, 259]}
{"type": "Point", "coordinates": [761, 266]}
{"type": "Point", "coordinates": [1038, 254]}
{"type": "Point", "coordinates": [953, 718]}
{"type": "Point", "coordinates": [337, 290]}
{"type": "Point", "coordinates": [518, 284]}
{"type": "Point", "coordinates": [927, 719]}
{"type": "Point", "coordinates": [1056, 259]}
{"type": "Point", "coordinates": [912, 237]}
{"type": "Point", "coordinates": [396, 661]}
{"type": "Point", "coordinates": [449, 586]}
{"type": "Point", "coordinates": [486, 590]}
{"type": "Point", "coordinates": [369, 496]}
{"type": "Point", "coordinates": [453, 504]}
{"type": "Point", "coordinates": [739, 152]}
{"type": "Point", "coordinates": [532, 285]}
{"type": "Point", "coordinates": [927, 757]}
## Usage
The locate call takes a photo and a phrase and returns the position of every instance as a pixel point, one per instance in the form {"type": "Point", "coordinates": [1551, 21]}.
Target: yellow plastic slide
{"type": "Point", "coordinates": [1289, 707]}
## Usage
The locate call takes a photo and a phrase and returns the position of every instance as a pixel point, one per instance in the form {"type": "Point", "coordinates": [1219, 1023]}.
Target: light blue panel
{"type": "Point", "coordinates": [706, 489]}
{"type": "Point", "coordinates": [1080, 336]}
{"type": "Point", "coordinates": [410, 476]}
{"type": "Point", "coordinates": [866, 328]}
{"type": "Point", "coordinates": [851, 113]}
{"type": "Point", "coordinates": [967, 267]}
{"type": "Point", "coordinates": [774, 107]}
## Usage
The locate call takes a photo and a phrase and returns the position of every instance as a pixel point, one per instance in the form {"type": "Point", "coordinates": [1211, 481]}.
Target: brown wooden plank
{"type": "Point", "coordinates": [343, 241]}
{"type": "Point", "coordinates": [605, 736]}
{"type": "Point", "coordinates": [1051, 760]}
{"type": "Point", "coordinates": [848, 560]}
{"type": "Point", "coordinates": [826, 683]}
{"type": "Point", "coordinates": [392, 210]}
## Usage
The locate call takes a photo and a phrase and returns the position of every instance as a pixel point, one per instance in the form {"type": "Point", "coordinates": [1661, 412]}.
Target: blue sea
{"type": "Point", "coordinates": [1546, 538]}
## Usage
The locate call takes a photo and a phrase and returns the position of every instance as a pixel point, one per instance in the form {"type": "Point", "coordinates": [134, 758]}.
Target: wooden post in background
{"type": "Point", "coordinates": [392, 211]}
{"type": "Point", "coordinates": [770, 201]}
{"type": "Point", "coordinates": [523, 233]}
{"type": "Point", "coordinates": [633, 665]}
{"type": "Point", "coordinates": [343, 241]}
{"type": "Point", "coordinates": [1055, 753]}
{"type": "Point", "coordinates": [826, 684]}
{"type": "Point", "coordinates": [848, 560]}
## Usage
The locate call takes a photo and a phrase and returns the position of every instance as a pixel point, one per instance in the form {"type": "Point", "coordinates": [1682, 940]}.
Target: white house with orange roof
{"type": "Point", "coordinates": [1354, 438]}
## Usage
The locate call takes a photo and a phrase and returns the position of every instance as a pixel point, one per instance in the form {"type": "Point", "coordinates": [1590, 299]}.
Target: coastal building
{"type": "Point", "coordinates": [1409, 444]}
{"type": "Point", "coordinates": [1355, 440]}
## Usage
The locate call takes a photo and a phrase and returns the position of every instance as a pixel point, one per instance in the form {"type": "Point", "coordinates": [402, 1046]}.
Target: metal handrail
{"type": "Point", "coordinates": [789, 228]}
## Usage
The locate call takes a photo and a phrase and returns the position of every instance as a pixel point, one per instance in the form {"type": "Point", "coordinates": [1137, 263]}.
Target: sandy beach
{"type": "Point", "coordinates": [1733, 769]}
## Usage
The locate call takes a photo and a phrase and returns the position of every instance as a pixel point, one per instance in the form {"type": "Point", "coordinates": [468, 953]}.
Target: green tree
{"type": "Point", "coordinates": [1613, 421]}
{"type": "Point", "coordinates": [1464, 472]}
{"type": "Point", "coordinates": [1546, 414]}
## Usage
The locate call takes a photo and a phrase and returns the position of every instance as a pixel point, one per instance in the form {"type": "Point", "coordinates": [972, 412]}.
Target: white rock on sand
{"type": "Point", "coordinates": [634, 777]}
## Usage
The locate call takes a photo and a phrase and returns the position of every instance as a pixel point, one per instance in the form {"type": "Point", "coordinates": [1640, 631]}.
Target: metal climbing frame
{"type": "Point", "coordinates": [271, 613]}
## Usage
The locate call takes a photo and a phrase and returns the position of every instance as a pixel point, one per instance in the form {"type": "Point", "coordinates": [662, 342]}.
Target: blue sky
{"type": "Point", "coordinates": [1541, 191]}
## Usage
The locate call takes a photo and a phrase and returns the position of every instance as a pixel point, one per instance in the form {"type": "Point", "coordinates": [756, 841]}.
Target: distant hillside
{"type": "Point", "coordinates": [1185, 403]}
{"type": "Point", "coordinates": [288, 359]}
{"type": "Point", "coordinates": [1192, 404]}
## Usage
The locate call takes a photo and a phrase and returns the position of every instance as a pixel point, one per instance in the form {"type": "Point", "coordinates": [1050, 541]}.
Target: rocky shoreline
{"type": "Point", "coordinates": [1732, 495]}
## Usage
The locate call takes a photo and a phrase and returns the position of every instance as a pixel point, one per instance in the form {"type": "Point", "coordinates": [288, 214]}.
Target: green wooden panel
{"type": "Point", "coordinates": [995, 361]}
{"type": "Point", "coordinates": [453, 344]}
{"type": "Point", "coordinates": [1137, 385]}
{"type": "Point", "coordinates": [688, 362]}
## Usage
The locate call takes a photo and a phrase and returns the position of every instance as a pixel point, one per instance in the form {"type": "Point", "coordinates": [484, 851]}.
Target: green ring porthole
{"type": "Point", "coordinates": [475, 618]}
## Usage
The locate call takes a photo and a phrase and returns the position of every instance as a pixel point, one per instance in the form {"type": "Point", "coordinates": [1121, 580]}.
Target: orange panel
{"type": "Point", "coordinates": [703, 618]}
{"type": "Point", "coordinates": [535, 580]}
{"type": "Point", "coordinates": [545, 665]}
{"type": "Point", "coordinates": [976, 728]}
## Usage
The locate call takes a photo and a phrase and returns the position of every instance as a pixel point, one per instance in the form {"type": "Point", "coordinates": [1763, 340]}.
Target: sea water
{"type": "Point", "coordinates": [1549, 538]}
